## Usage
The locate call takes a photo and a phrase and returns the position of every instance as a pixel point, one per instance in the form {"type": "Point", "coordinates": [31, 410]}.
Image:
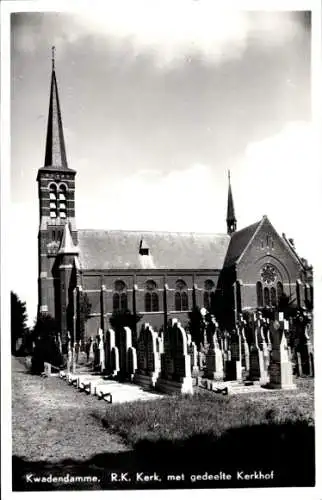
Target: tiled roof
{"type": "Point", "coordinates": [101, 249]}
{"type": "Point", "coordinates": [239, 241]}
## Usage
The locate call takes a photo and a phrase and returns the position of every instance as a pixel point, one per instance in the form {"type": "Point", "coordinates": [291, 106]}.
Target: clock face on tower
{"type": "Point", "coordinates": [268, 274]}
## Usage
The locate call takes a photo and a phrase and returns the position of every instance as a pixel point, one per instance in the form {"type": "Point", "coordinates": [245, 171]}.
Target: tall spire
{"type": "Point", "coordinates": [231, 219]}
{"type": "Point", "coordinates": [55, 155]}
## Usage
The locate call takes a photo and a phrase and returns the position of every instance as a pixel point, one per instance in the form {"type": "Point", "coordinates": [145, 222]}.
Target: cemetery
{"type": "Point", "coordinates": [167, 405]}
{"type": "Point", "coordinates": [257, 356]}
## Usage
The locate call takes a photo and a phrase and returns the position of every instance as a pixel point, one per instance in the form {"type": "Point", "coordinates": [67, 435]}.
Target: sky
{"type": "Point", "coordinates": [156, 109]}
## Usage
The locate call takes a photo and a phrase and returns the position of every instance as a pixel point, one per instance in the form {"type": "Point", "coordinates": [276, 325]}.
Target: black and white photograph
{"type": "Point", "coordinates": [163, 187]}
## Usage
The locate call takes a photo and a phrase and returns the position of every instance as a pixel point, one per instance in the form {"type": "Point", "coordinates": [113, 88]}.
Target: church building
{"type": "Point", "coordinates": [157, 275]}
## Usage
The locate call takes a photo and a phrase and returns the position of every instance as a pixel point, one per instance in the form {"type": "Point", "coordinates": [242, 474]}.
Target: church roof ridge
{"type": "Point", "coordinates": [150, 231]}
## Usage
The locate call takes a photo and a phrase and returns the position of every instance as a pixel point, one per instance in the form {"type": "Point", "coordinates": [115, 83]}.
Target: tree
{"type": "Point", "coordinates": [120, 319]}
{"type": "Point", "coordinates": [46, 346]}
{"type": "Point", "coordinates": [18, 322]}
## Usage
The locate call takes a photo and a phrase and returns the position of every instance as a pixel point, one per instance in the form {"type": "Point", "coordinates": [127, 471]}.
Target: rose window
{"type": "Point", "coordinates": [268, 274]}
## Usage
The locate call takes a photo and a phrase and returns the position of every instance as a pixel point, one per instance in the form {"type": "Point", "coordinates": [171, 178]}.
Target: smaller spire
{"type": "Point", "coordinates": [231, 219]}
{"type": "Point", "coordinates": [67, 246]}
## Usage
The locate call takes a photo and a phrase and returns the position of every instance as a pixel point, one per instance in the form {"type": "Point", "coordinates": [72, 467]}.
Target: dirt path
{"type": "Point", "coordinates": [51, 421]}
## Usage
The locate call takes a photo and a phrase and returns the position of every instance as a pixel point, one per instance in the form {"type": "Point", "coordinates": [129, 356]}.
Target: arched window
{"type": "Point", "coordinates": [151, 298]}
{"type": "Point", "coordinates": [259, 291]}
{"type": "Point", "coordinates": [116, 302]}
{"type": "Point", "coordinates": [53, 201]}
{"type": "Point", "coordinates": [266, 297]}
{"type": "Point", "coordinates": [279, 288]}
{"type": "Point", "coordinates": [177, 301]}
{"type": "Point", "coordinates": [181, 296]}
{"type": "Point", "coordinates": [206, 300]}
{"type": "Point", "coordinates": [123, 301]}
{"type": "Point", "coordinates": [209, 294]}
{"type": "Point", "coordinates": [148, 302]}
{"type": "Point", "coordinates": [155, 302]}
{"type": "Point", "coordinates": [119, 296]}
{"type": "Point", "coordinates": [184, 301]}
{"type": "Point", "coordinates": [273, 297]}
{"type": "Point", "coordinates": [62, 201]}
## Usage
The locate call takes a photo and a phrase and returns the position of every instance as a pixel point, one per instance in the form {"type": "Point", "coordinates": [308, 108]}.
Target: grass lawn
{"type": "Point", "coordinates": [206, 431]}
{"type": "Point", "coordinates": [178, 417]}
{"type": "Point", "coordinates": [51, 421]}
{"type": "Point", "coordinates": [57, 429]}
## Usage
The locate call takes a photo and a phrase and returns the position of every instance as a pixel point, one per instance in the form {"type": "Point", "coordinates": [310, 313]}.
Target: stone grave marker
{"type": "Point", "coordinates": [280, 369]}
{"type": "Point", "coordinates": [101, 350]}
{"type": "Point", "coordinates": [214, 368]}
{"type": "Point", "coordinates": [149, 364]}
{"type": "Point", "coordinates": [109, 345]}
{"type": "Point", "coordinates": [124, 345]}
{"type": "Point", "coordinates": [234, 366]}
{"type": "Point", "coordinates": [175, 373]}
{"type": "Point", "coordinates": [244, 344]}
{"type": "Point", "coordinates": [131, 362]}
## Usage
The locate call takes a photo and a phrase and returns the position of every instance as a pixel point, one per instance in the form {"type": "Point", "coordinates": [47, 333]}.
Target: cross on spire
{"type": "Point", "coordinates": [53, 49]}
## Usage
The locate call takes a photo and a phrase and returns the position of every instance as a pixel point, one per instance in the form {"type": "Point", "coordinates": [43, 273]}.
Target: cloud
{"type": "Point", "coordinates": [151, 200]}
{"type": "Point", "coordinates": [282, 172]}
{"type": "Point", "coordinates": [170, 32]}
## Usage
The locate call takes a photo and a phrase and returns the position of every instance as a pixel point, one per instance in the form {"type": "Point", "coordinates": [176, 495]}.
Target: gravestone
{"type": "Point", "coordinates": [115, 361]}
{"type": "Point", "coordinates": [82, 356]}
{"type": "Point", "coordinates": [101, 350]}
{"type": "Point", "coordinates": [299, 364]}
{"type": "Point", "coordinates": [193, 353]}
{"type": "Point", "coordinates": [280, 369]}
{"type": "Point", "coordinates": [125, 342]}
{"type": "Point", "coordinates": [74, 359]}
{"type": "Point", "coordinates": [148, 357]}
{"type": "Point", "coordinates": [258, 354]}
{"type": "Point", "coordinates": [304, 346]}
{"type": "Point", "coordinates": [60, 346]}
{"type": "Point", "coordinates": [131, 362]}
{"type": "Point", "coordinates": [47, 369]}
{"type": "Point", "coordinates": [90, 351]}
{"type": "Point", "coordinates": [69, 353]}
{"type": "Point", "coordinates": [175, 375]}
{"type": "Point", "coordinates": [234, 366]}
{"type": "Point", "coordinates": [214, 368]}
{"type": "Point", "coordinates": [214, 362]}
{"type": "Point", "coordinates": [112, 365]}
{"type": "Point", "coordinates": [244, 344]}
{"type": "Point", "coordinates": [264, 351]}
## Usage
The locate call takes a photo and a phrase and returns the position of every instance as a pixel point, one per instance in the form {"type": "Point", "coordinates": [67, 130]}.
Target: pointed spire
{"type": "Point", "coordinates": [231, 219]}
{"type": "Point", "coordinates": [67, 246]}
{"type": "Point", "coordinates": [55, 155]}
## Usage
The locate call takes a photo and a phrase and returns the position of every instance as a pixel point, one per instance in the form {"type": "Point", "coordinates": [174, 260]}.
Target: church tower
{"type": "Point", "coordinates": [231, 219]}
{"type": "Point", "coordinates": [56, 193]}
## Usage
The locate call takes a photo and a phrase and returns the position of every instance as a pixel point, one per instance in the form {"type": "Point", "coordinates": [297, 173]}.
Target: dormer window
{"type": "Point", "coordinates": [144, 249]}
